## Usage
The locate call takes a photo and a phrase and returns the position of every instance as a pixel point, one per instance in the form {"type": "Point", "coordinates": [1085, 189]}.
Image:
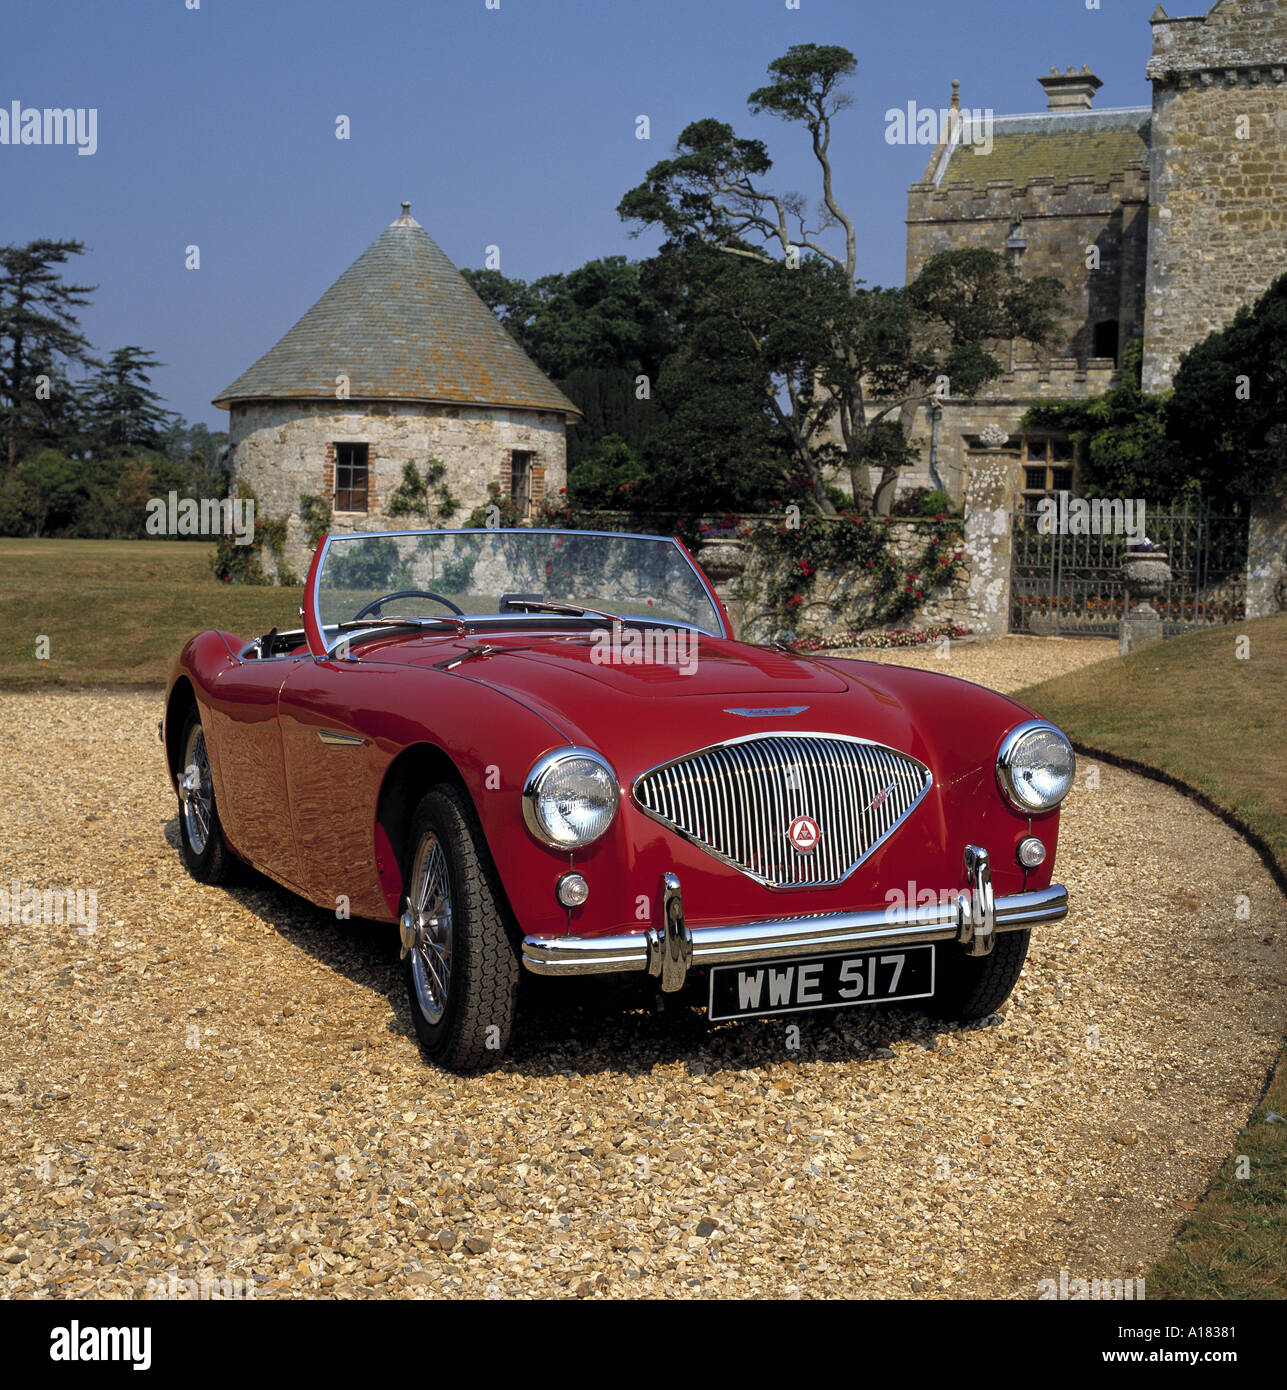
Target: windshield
{"type": "Point", "coordinates": [439, 574]}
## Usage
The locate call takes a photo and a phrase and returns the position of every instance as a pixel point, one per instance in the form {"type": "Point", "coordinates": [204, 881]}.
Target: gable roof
{"type": "Point", "coordinates": [401, 323]}
{"type": "Point", "coordinates": [1062, 145]}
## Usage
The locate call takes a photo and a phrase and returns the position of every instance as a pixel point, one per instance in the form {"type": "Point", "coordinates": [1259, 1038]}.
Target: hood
{"type": "Point", "coordinates": [642, 712]}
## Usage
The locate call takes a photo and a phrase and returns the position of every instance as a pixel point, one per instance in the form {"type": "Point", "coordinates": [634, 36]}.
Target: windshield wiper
{"type": "Point", "coordinates": [540, 605]}
{"type": "Point", "coordinates": [459, 623]}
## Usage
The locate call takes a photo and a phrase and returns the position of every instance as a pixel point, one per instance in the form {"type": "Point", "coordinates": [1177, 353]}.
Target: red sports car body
{"type": "Point", "coordinates": [545, 750]}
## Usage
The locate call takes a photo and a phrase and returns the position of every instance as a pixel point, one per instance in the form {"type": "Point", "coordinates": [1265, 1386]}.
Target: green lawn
{"type": "Point", "coordinates": [118, 612]}
{"type": "Point", "coordinates": [1193, 708]}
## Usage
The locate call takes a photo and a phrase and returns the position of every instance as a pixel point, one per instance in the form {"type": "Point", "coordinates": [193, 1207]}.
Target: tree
{"type": "Point", "coordinates": [610, 477]}
{"type": "Point", "coordinates": [38, 331]}
{"type": "Point", "coordinates": [202, 453]}
{"type": "Point", "coordinates": [1227, 417]}
{"type": "Point", "coordinates": [124, 412]}
{"type": "Point", "coordinates": [716, 447]}
{"type": "Point", "coordinates": [595, 331]}
{"type": "Point", "coordinates": [842, 359]}
{"type": "Point", "coordinates": [56, 488]}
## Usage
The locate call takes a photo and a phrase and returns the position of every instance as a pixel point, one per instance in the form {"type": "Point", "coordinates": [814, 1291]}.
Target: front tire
{"type": "Point", "coordinates": [461, 967]}
{"type": "Point", "coordinates": [972, 987]}
{"type": "Point", "coordinates": [204, 850]}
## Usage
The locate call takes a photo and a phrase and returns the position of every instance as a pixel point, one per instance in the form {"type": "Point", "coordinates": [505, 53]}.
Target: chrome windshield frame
{"type": "Point", "coordinates": [314, 595]}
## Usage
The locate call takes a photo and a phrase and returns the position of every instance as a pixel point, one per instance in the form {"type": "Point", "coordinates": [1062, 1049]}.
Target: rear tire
{"type": "Point", "coordinates": [204, 850]}
{"type": "Point", "coordinates": [462, 981]}
{"type": "Point", "coordinates": [972, 987]}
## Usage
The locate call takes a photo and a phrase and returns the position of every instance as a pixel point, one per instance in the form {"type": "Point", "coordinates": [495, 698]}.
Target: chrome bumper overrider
{"type": "Point", "coordinates": [670, 948]}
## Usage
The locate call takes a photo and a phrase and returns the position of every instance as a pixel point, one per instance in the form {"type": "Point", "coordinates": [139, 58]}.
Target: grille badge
{"type": "Point", "coordinates": [804, 833]}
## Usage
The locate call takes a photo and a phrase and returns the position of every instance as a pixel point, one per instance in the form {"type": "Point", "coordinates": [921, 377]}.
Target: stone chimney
{"type": "Point", "coordinates": [1071, 90]}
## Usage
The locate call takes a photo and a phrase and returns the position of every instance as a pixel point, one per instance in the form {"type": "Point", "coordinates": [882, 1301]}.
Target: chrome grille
{"type": "Point", "coordinates": [739, 799]}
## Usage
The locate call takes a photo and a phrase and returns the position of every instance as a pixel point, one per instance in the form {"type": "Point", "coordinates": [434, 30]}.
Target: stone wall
{"type": "Point", "coordinates": [1218, 222]}
{"type": "Point", "coordinates": [285, 449]}
{"type": "Point", "coordinates": [732, 564]}
{"type": "Point", "coordinates": [1267, 558]}
{"type": "Point", "coordinates": [1060, 221]}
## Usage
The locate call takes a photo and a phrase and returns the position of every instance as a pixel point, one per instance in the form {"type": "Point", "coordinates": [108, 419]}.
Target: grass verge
{"type": "Point", "coordinates": [98, 604]}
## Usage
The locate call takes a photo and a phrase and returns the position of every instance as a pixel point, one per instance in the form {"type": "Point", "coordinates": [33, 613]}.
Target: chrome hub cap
{"type": "Point", "coordinates": [426, 928]}
{"type": "Point", "coordinates": [196, 791]}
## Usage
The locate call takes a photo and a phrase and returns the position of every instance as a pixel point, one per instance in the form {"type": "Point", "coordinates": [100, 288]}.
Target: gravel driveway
{"type": "Point", "coordinates": [224, 1085]}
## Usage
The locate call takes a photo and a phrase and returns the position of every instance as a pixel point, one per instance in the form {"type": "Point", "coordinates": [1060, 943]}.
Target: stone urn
{"type": "Point", "coordinates": [1145, 573]}
{"type": "Point", "coordinates": [723, 558]}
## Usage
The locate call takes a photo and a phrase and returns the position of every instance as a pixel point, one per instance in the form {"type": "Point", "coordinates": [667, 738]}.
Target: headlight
{"type": "Point", "coordinates": [570, 797]}
{"type": "Point", "coordinates": [1036, 766]}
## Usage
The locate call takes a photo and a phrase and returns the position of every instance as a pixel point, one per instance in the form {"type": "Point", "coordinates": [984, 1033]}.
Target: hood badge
{"type": "Point", "coordinates": [880, 798]}
{"type": "Point", "coordinates": [804, 834]}
{"type": "Point", "coordinates": [776, 712]}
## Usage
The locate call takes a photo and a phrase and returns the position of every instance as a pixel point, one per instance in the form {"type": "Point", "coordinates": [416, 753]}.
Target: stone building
{"type": "Point", "coordinates": [1160, 221]}
{"type": "Point", "coordinates": [398, 362]}
{"type": "Point", "coordinates": [1218, 189]}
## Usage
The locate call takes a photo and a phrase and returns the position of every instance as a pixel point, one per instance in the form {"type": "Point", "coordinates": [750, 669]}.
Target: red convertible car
{"type": "Point", "coordinates": [544, 750]}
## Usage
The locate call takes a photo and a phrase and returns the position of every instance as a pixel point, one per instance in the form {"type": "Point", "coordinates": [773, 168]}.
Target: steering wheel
{"type": "Point", "coordinates": [377, 603]}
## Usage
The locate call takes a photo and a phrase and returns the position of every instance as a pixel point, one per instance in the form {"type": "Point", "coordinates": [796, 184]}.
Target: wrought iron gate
{"type": "Point", "coordinates": [1070, 585]}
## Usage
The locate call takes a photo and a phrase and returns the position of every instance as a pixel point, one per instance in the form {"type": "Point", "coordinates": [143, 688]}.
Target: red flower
{"type": "Point", "coordinates": [549, 569]}
{"type": "Point", "coordinates": [794, 600]}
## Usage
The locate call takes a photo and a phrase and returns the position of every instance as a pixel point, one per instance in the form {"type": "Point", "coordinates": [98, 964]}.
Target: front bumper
{"type": "Point", "coordinates": [670, 949]}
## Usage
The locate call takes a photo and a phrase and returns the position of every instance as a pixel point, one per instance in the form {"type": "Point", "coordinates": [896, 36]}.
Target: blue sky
{"type": "Point", "coordinates": [512, 127]}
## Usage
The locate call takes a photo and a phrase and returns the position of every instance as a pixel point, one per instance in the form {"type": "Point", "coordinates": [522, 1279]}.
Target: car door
{"type": "Point", "coordinates": [334, 768]}
{"type": "Point", "coordinates": [246, 739]}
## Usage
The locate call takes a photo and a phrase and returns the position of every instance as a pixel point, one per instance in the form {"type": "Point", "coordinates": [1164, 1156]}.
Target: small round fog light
{"type": "Point", "coordinates": [573, 890]}
{"type": "Point", "coordinates": [1032, 852]}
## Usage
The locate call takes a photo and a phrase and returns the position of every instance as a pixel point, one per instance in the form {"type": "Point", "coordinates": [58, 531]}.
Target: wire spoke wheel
{"type": "Point", "coordinates": [429, 905]}
{"type": "Point", "coordinates": [459, 958]}
{"type": "Point", "coordinates": [196, 790]}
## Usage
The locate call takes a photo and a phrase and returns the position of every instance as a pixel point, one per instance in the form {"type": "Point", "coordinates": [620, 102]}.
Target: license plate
{"type": "Point", "coordinates": [821, 982]}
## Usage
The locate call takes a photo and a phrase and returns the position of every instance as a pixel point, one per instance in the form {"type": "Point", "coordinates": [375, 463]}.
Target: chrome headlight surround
{"type": "Point", "coordinates": [1015, 769]}
{"type": "Point", "coordinates": [544, 821]}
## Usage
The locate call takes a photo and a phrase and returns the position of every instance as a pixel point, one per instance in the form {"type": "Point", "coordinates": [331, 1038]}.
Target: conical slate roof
{"type": "Point", "coordinates": [401, 323]}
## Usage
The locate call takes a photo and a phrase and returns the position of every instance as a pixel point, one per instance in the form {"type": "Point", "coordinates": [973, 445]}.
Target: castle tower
{"type": "Point", "coordinates": [1218, 176]}
{"type": "Point", "coordinates": [398, 362]}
